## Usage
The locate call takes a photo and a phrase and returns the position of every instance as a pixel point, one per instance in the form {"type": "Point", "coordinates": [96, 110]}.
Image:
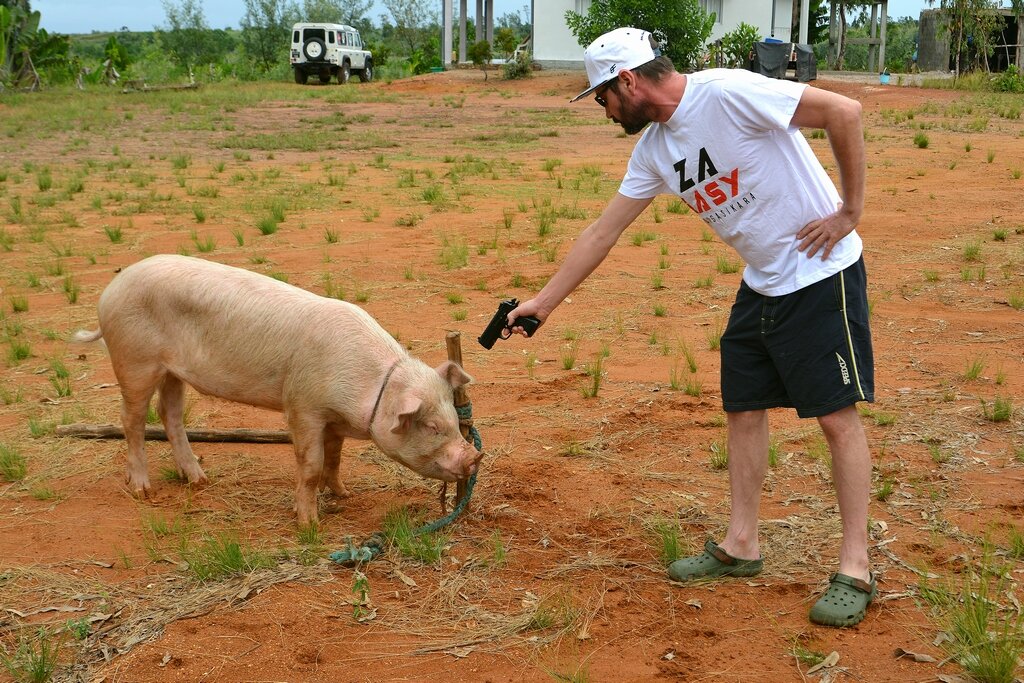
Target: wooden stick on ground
{"type": "Point", "coordinates": [154, 433]}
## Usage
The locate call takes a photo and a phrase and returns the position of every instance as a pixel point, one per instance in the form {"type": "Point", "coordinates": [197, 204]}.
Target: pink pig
{"type": "Point", "coordinates": [334, 372]}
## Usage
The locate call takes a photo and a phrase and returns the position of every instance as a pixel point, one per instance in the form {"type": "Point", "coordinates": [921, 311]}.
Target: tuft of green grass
{"type": "Point", "coordinates": [454, 253]}
{"type": "Point", "coordinates": [719, 459]}
{"type": "Point", "coordinates": [972, 252]}
{"type": "Point", "coordinates": [885, 490]}
{"type": "Point", "coordinates": [499, 553]}
{"type": "Point", "coordinates": [921, 140]}
{"type": "Point", "coordinates": [114, 234]}
{"type": "Point", "coordinates": [974, 369]}
{"type": "Point", "coordinates": [399, 528]}
{"type": "Point", "coordinates": [595, 371]}
{"type": "Point", "coordinates": [18, 350]}
{"type": "Point", "coordinates": [267, 225]}
{"type": "Point", "coordinates": [204, 245]}
{"type": "Point", "coordinates": [666, 534]}
{"type": "Point", "coordinates": [35, 659]}
{"type": "Point", "coordinates": [1002, 409]}
{"type": "Point", "coordinates": [19, 304]}
{"type": "Point", "coordinates": [986, 640]}
{"type": "Point", "coordinates": [13, 466]}
{"type": "Point", "coordinates": [569, 355]}
{"type": "Point", "coordinates": [330, 236]}
{"type": "Point", "coordinates": [61, 379]}
{"type": "Point", "coordinates": [71, 289]}
{"type": "Point", "coordinates": [725, 266]}
{"type": "Point", "coordinates": [223, 556]}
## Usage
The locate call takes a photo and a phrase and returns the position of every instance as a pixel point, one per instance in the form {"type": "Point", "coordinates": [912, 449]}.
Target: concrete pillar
{"type": "Point", "coordinates": [872, 48]}
{"type": "Point", "coordinates": [490, 21]}
{"type": "Point", "coordinates": [479, 19]}
{"type": "Point", "coordinates": [446, 24]}
{"type": "Point", "coordinates": [805, 17]}
{"type": "Point", "coordinates": [881, 36]}
{"type": "Point", "coordinates": [462, 30]}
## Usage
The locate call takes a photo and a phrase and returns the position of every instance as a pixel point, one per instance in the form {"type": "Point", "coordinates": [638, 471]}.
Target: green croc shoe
{"type": "Point", "coordinates": [713, 563]}
{"type": "Point", "coordinates": [845, 601]}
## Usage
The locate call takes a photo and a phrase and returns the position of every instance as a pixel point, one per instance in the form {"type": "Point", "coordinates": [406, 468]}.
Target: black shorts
{"type": "Point", "coordinates": [809, 350]}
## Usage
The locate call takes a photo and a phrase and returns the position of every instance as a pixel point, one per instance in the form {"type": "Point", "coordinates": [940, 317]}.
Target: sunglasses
{"type": "Point", "coordinates": [600, 98]}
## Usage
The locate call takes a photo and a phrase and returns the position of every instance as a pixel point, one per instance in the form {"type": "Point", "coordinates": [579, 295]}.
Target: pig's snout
{"type": "Point", "coordinates": [461, 464]}
{"type": "Point", "coordinates": [474, 463]}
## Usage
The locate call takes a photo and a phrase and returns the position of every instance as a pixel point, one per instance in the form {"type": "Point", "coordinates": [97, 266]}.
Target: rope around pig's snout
{"type": "Point", "coordinates": [372, 546]}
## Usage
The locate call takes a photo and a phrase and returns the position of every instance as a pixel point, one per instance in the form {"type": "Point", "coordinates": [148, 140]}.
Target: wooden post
{"type": "Point", "coordinates": [453, 340]}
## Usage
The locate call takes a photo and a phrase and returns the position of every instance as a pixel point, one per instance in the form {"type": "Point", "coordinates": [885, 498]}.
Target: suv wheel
{"type": "Point", "coordinates": [301, 76]}
{"type": "Point", "coordinates": [314, 49]}
{"type": "Point", "coordinates": [366, 75]}
{"type": "Point", "coordinates": [344, 72]}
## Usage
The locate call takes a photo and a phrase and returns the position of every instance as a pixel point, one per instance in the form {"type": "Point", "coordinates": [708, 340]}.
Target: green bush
{"type": "Point", "coordinates": [737, 44]}
{"type": "Point", "coordinates": [519, 66]}
{"type": "Point", "coordinates": [1010, 80]}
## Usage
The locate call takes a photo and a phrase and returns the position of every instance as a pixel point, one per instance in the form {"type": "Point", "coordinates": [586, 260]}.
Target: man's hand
{"type": "Point", "coordinates": [825, 233]}
{"type": "Point", "coordinates": [530, 307]}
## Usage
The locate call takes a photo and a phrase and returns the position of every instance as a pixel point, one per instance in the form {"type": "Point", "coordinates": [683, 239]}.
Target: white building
{"type": "Point", "coordinates": [554, 45]}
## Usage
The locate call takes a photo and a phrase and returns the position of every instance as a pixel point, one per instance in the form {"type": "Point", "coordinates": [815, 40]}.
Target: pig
{"type": "Point", "coordinates": [170, 320]}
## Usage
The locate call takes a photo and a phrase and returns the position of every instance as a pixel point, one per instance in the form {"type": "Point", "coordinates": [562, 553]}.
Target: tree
{"type": "Point", "coordinates": [682, 27]}
{"type": "Point", "coordinates": [265, 27]}
{"type": "Point", "coordinates": [506, 40]}
{"type": "Point", "coordinates": [514, 21]}
{"type": "Point", "coordinates": [412, 19]}
{"type": "Point", "coordinates": [480, 54]}
{"type": "Point", "coordinates": [348, 12]}
{"type": "Point", "coordinates": [188, 37]}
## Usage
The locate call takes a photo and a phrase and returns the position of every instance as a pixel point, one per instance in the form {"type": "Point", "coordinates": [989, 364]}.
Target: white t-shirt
{"type": "Point", "coordinates": [730, 153]}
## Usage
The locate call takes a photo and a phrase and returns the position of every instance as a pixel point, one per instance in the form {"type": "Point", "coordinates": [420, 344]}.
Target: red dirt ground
{"type": "Point", "coordinates": [571, 485]}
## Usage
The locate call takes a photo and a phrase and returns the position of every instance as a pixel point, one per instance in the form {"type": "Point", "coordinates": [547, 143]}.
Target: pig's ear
{"type": "Point", "coordinates": [408, 410]}
{"type": "Point", "coordinates": [452, 374]}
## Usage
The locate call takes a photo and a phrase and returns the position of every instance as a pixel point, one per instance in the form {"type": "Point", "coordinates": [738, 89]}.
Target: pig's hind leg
{"type": "Point", "coordinates": [137, 387]}
{"type": "Point", "coordinates": [171, 408]}
{"type": "Point", "coordinates": [331, 477]}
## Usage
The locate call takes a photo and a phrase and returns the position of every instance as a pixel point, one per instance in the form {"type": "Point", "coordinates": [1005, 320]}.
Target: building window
{"type": "Point", "coordinates": [713, 6]}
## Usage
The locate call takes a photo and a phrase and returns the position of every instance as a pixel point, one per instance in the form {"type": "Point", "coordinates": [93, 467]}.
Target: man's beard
{"type": "Point", "coordinates": [633, 121]}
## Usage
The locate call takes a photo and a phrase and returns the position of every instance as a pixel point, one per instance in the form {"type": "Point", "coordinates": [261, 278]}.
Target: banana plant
{"type": "Point", "coordinates": [24, 47]}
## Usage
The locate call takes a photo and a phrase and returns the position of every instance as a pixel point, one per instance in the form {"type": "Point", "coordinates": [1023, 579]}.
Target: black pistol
{"type": "Point", "coordinates": [498, 328]}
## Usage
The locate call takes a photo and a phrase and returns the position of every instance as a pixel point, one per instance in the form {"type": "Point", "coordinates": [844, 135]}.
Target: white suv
{"type": "Point", "coordinates": [329, 50]}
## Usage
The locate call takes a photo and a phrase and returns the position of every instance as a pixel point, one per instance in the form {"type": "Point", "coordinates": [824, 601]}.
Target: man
{"type": "Point", "coordinates": [728, 143]}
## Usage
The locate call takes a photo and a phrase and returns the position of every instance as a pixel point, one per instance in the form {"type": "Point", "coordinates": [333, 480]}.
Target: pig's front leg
{"type": "Point", "coordinates": [308, 438]}
{"type": "Point", "coordinates": [332, 461]}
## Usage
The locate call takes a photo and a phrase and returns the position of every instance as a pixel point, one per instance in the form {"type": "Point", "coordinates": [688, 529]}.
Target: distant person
{"type": "Point", "coordinates": [728, 143]}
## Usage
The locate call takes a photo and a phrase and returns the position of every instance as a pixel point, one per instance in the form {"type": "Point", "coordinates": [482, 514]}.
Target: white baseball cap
{"type": "Point", "coordinates": [623, 48]}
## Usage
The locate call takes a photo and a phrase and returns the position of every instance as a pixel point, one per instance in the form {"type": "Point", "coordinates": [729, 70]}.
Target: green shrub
{"type": "Point", "coordinates": [519, 66]}
{"type": "Point", "coordinates": [1011, 80]}
{"type": "Point", "coordinates": [737, 44]}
